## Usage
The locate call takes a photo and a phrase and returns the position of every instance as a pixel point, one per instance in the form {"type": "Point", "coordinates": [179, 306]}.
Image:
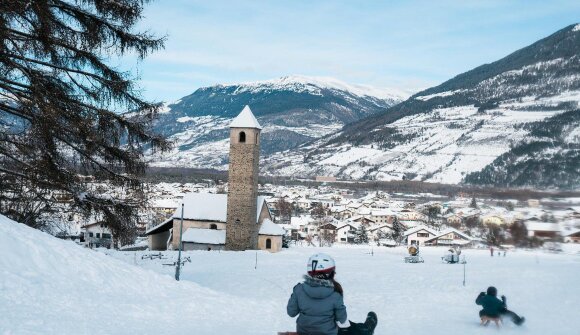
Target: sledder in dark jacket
{"type": "Point", "coordinates": [495, 308]}
{"type": "Point", "coordinates": [319, 305]}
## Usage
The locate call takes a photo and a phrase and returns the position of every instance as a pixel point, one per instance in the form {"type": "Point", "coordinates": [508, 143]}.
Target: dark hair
{"type": "Point", "coordinates": [326, 275]}
{"type": "Point", "coordinates": [337, 286]}
{"type": "Point", "coordinates": [492, 291]}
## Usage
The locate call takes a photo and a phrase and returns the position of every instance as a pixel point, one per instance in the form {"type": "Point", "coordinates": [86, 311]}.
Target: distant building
{"type": "Point", "coordinates": [448, 237]}
{"type": "Point", "coordinates": [573, 236]}
{"type": "Point", "coordinates": [97, 235]}
{"type": "Point", "coordinates": [542, 230]}
{"type": "Point", "coordinates": [419, 235]}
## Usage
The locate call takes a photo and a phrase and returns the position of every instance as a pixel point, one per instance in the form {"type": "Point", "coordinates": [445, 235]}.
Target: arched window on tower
{"type": "Point", "coordinates": [257, 136]}
{"type": "Point", "coordinates": [268, 243]}
{"type": "Point", "coordinates": [213, 226]}
{"type": "Point", "coordinates": [242, 137]}
{"type": "Point", "coordinates": [238, 221]}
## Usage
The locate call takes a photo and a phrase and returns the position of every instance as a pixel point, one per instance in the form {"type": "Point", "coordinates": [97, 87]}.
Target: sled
{"type": "Point", "coordinates": [486, 319]}
{"type": "Point", "coordinates": [287, 333]}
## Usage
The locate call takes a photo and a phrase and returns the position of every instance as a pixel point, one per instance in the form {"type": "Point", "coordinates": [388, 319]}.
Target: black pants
{"type": "Point", "coordinates": [356, 329]}
{"type": "Point", "coordinates": [506, 312]}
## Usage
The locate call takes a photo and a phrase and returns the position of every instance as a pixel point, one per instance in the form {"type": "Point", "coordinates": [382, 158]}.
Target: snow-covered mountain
{"type": "Point", "coordinates": [293, 110]}
{"type": "Point", "coordinates": [477, 124]}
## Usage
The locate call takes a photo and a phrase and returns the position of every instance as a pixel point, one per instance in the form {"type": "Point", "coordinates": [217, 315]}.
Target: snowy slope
{"type": "Point", "coordinates": [450, 131]}
{"type": "Point", "coordinates": [410, 299]}
{"type": "Point", "coordinates": [51, 286]}
{"type": "Point", "coordinates": [293, 110]}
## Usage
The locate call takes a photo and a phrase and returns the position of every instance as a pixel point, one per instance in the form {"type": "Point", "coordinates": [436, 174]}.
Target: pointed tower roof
{"type": "Point", "coordinates": [246, 119]}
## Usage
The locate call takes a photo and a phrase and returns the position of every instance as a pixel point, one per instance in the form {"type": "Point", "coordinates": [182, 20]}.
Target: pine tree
{"type": "Point", "coordinates": [61, 104]}
{"type": "Point", "coordinates": [284, 209]}
{"type": "Point", "coordinates": [398, 231]}
{"type": "Point", "coordinates": [519, 233]}
{"type": "Point", "coordinates": [286, 239]}
{"type": "Point", "coordinates": [473, 203]}
{"type": "Point", "coordinates": [361, 235]}
{"type": "Point", "coordinates": [319, 211]}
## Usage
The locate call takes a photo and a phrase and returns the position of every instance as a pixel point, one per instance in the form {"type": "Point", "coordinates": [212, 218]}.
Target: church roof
{"type": "Point", "coordinates": [270, 228]}
{"type": "Point", "coordinates": [209, 207]}
{"type": "Point", "coordinates": [245, 119]}
{"type": "Point", "coordinates": [202, 207]}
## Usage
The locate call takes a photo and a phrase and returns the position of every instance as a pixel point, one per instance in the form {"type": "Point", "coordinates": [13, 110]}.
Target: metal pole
{"type": "Point", "coordinates": [178, 268]}
{"type": "Point", "coordinates": [464, 273]}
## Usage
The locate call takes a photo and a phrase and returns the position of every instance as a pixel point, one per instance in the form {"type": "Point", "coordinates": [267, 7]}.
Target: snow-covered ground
{"type": "Point", "coordinates": [50, 286]}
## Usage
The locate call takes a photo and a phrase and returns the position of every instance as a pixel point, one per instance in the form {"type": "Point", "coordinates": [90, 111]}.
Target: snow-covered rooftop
{"type": "Point", "coordinates": [542, 226]}
{"type": "Point", "coordinates": [245, 119]}
{"type": "Point", "coordinates": [200, 235]}
{"type": "Point", "coordinates": [419, 228]}
{"type": "Point", "coordinates": [208, 207]}
{"type": "Point", "coordinates": [451, 230]}
{"type": "Point", "coordinates": [270, 228]}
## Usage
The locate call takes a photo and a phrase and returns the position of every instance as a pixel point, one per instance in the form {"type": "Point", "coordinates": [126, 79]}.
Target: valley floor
{"type": "Point", "coordinates": [50, 286]}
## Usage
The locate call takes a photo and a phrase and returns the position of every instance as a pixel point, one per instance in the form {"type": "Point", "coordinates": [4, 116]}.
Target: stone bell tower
{"type": "Point", "coordinates": [242, 227]}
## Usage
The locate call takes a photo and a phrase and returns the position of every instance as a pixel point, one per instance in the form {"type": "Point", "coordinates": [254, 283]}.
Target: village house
{"type": "Point", "coordinates": [363, 220]}
{"type": "Point", "coordinates": [408, 214]}
{"type": "Point", "coordinates": [345, 233]}
{"type": "Point", "coordinates": [418, 235]}
{"type": "Point", "coordinates": [378, 231]}
{"type": "Point", "coordinates": [494, 219]}
{"type": "Point", "coordinates": [382, 216]}
{"type": "Point", "coordinates": [453, 219]}
{"type": "Point", "coordinates": [572, 236]}
{"type": "Point", "coordinates": [341, 212]}
{"type": "Point", "coordinates": [165, 205]}
{"type": "Point", "coordinates": [449, 237]}
{"type": "Point", "coordinates": [542, 230]}
{"type": "Point", "coordinates": [97, 235]}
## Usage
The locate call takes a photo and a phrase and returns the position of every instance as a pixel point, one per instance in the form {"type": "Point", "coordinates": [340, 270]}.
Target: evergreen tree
{"type": "Point", "coordinates": [398, 231]}
{"type": "Point", "coordinates": [361, 235]}
{"type": "Point", "coordinates": [519, 233]}
{"type": "Point", "coordinates": [286, 239]}
{"type": "Point", "coordinates": [60, 105]}
{"type": "Point", "coordinates": [495, 235]}
{"type": "Point", "coordinates": [432, 211]}
{"type": "Point", "coordinates": [318, 211]}
{"type": "Point", "coordinates": [473, 203]}
{"type": "Point", "coordinates": [284, 209]}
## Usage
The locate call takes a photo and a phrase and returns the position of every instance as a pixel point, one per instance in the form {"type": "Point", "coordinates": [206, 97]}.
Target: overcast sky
{"type": "Point", "coordinates": [408, 45]}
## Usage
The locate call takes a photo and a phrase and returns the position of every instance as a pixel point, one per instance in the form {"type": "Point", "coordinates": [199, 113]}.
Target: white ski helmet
{"type": "Point", "coordinates": [320, 264]}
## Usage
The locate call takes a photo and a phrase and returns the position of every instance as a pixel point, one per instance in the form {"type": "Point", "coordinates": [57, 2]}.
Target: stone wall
{"type": "Point", "coordinates": [242, 232]}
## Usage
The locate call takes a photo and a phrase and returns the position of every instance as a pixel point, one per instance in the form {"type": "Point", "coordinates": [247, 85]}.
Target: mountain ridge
{"type": "Point", "coordinates": [294, 110]}
{"type": "Point", "coordinates": [444, 133]}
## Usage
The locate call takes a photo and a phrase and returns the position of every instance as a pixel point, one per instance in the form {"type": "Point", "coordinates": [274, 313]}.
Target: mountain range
{"type": "Point", "coordinates": [513, 122]}
{"type": "Point", "coordinates": [293, 110]}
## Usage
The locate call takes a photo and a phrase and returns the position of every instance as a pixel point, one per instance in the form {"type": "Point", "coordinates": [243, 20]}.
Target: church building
{"type": "Point", "coordinates": [239, 220]}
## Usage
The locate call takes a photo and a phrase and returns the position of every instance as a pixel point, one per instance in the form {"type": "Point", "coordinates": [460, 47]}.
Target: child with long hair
{"type": "Point", "coordinates": [318, 302]}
